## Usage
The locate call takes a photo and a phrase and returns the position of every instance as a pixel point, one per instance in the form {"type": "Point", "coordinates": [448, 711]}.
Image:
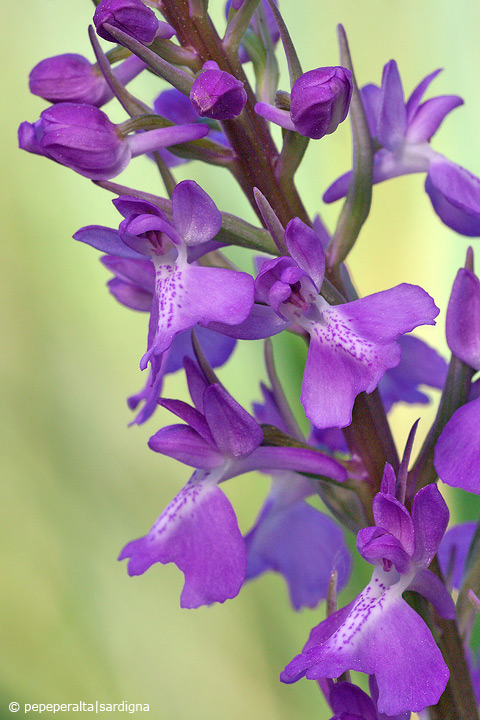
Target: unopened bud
{"type": "Point", "coordinates": [131, 16]}
{"type": "Point", "coordinates": [320, 100]}
{"type": "Point", "coordinates": [83, 138]}
{"type": "Point", "coordinates": [217, 94]}
{"type": "Point", "coordinates": [68, 78]}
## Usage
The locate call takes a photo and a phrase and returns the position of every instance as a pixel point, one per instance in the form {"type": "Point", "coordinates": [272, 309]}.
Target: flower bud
{"type": "Point", "coordinates": [320, 100]}
{"type": "Point", "coordinates": [68, 78]}
{"type": "Point", "coordinates": [79, 136]}
{"type": "Point", "coordinates": [217, 94]}
{"type": "Point", "coordinates": [72, 78]}
{"type": "Point", "coordinates": [83, 138]}
{"type": "Point", "coordinates": [131, 16]}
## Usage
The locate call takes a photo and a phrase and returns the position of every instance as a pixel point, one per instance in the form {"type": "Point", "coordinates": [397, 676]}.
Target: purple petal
{"type": "Point", "coordinates": [393, 516]}
{"type": "Point", "coordinates": [430, 116]}
{"type": "Point", "coordinates": [338, 189]}
{"type": "Point", "coordinates": [455, 196]}
{"type": "Point", "coordinates": [176, 107]}
{"type": "Point", "coordinates": [129, 205]}
{"type": "Point", "coordinates": [420, 365]}
{"type": "Point", "coordinates": [188, 294]}
{"type": "Point", "coordinates": [269, 412]}
{"type": "Point", "coordinates": [297, 668]}
{"type": "Point", "coordinates": [136, 232]}
{"type": "Point", "coordinates": [235, 432]}
{"type": "Point", "coordinates": [288, 458]}
{"type": "Point", "coordinates": [463, 318]}
{"type": "Point", "coordinates": [392, 120]}
{"type": "Point", "coordinates": [300, 543]}
{"type": "Point", "coordinates": [379, 547]}
{"type": "Point", "coordinates": [416, 97]}
{"type": "Point", "coordinates": [386, 165]}
{"type": "Point", "coordinates": [30, 136]}
{"type": "Point", "coordinates": [195, 215]}
{"type": "Point", "coordinates": [306, 248]}
{"type": "Point", "coordinates": [190, 415]}
{"type": "Point", "coordinates": [371, 99]}
{"type": "Point", "coordinates": [453, 552]}
{"type": "Point", "coordinates": [196, 381]}
{"type": "Point", "coordinates": [130, 295]}
{"type": "Point", "coordinates": [389, 480]}
{"type": "Point", "coordinates": [262, 322]}
{"type": "Point", "coordinates": [106, 240]}
{"type": "Point", "coordinates": [133, 283]}
{"type": "Point", "coordinates": [198, 532]}
{"type": "Point", "coordinates": [336, 372]}
{"type": "Point", "coordinates": [150, 393]}
{"type": "Point", "coordinates": [216, 347]}
{"type": "Point", "coordinates": [457, 451]}
{"type": "Point", "coordinates": [275, 115]}
{"type": "Point", "coordinates": [331, 439]}
{"type": "Point", "coordinates": [383, 636]}
{"type": "Point", "coordinates": [384, 316]}
{"type": "Point", "coordinates": [348, 700]}
{"type": "Point", "coordinates": [430, 519]}
{"type": "Point", "coordinates": [186, 446]}
{"type": "Point", "coordinates": [432, 588]}
{"type": "Point", "coordinates": [351, 352]}
{"type": "Point", "coordinates": [136, 271]}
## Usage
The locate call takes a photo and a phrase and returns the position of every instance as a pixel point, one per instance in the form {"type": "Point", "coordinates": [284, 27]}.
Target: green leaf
{"type": "Point", "coordinates": [359, 198]}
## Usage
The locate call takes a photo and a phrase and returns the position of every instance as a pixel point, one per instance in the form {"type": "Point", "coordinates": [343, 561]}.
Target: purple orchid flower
{"type": "Point", "coordinates": [134, 287]}
{"type": "Point", "coordinates": [379, 633]}
{"type": "Point", "coordinates": [290, 536]}
{"type": "Point", "coordinates": [458, 447]}
{"type": "Point", "coordinates": [72, 78]}
{"type": "Point", "coordinates": [351, 345]}
{"type": "Point", "coordinates": [198, 531]}
{"type": "Point", "coordinates": [294, 539]}
{"type": "Point", "coordinates": [84, 139]}
{"type": "Point", "coordinates": [402, 133]}
{"type": "Point", "coordinates": [184, 293]}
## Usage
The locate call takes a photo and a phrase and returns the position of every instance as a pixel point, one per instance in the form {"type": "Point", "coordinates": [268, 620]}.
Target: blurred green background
{"type": "Point", "coordinates": [77, 483]}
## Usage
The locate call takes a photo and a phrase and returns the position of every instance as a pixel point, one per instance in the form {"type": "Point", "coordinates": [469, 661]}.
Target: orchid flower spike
{"type": "Point", "coordinates": [402, 133]}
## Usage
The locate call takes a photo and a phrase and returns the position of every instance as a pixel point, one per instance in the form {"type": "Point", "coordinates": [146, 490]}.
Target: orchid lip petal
{"type": "Point", "coordinates": [214, 564]}
{"type": "Point", "coordinates": [188, 294]}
